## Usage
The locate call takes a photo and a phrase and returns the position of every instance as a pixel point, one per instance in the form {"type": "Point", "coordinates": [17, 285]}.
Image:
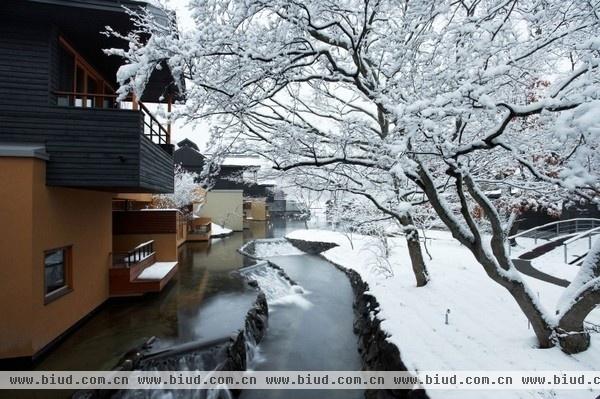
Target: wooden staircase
{"type": "Point", "coordinates": [136, 272]}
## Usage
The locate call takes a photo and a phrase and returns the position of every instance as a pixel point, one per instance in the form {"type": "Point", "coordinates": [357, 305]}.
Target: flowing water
{"type": "Point", "coordinates": [318, 337]}
{"type": "Point", "coordinates": [310, 326]}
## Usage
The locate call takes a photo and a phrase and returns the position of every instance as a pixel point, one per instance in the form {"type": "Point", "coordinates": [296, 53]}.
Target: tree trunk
{"type": "Point", "coordinates": [514, 229]}
{"type": "Point", "coordinates": [497, 264]}
{"type": "Point", "coordinates": [570, 331]}
{"type": "Point", "coordinates": [414, 250]}
{"type": "Point", "coordinates": [523, 296]}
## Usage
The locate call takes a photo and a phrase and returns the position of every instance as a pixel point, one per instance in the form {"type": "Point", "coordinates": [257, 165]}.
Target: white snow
{"type": "Point", "coordinates": [486, 330]}
{"type": "Point", "coordinates": [243, 161]}
{"type": "Point", "coordinates": [157, 271]}
{"type": "Point", "coordinates": [216, 230]}
{"type": "Point", "coordinates": [553, 261]}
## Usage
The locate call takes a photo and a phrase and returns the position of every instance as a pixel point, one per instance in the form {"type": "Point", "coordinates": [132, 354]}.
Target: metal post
{"type": "Point", "coordinates": [565, 251]}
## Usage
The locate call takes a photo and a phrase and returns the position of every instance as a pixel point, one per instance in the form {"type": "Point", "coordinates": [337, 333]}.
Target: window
{"type": "Point", "coordinates": [57, 273]}
{"type": "Point", "coordinates": [79, 84]}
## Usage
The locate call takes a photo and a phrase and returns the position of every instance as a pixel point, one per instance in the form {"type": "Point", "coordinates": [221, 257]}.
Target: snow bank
{"type": "Point", "coordinates": [486, 330]}
{"type": "Point", "coordinates": [217, 230]}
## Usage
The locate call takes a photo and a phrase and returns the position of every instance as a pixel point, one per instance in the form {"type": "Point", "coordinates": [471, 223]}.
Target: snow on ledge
{"type": "Point", "coordinates": [217, 230]}
{"type": "Point", "coordinates": [157, 271]}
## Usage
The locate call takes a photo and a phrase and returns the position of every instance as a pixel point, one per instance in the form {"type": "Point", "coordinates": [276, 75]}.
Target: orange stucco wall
{"type": "Point", "coordinates": [16, 206]}
{"type": "Point", "coordinates": [36, 218]}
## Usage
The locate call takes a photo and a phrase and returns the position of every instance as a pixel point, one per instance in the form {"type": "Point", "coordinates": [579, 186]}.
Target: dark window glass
{"type": "Point", "coordinates": [54, 267]}
{"type": "Point", "coordinates": [66, 70]}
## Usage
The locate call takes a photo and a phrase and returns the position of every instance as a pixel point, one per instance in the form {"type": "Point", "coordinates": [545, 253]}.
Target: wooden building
{"type": "Point", "coordinates": [68, 152]}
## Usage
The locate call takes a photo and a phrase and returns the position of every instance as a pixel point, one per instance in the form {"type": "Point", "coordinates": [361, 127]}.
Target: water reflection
{"type": "Point", "coordinates": [202, 301]}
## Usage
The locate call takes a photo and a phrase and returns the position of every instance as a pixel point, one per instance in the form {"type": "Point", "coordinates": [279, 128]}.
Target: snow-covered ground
{"type": "Point", "coordinates": [553, 262]}
{"type": "Point", "coordinates": [486, 330]}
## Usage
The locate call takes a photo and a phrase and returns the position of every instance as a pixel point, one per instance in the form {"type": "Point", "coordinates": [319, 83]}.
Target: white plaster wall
{"type": "Point", "coordinates": [225, 207]}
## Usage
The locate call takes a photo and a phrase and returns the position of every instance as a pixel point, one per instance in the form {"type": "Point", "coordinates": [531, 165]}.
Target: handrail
{"type": "Point", "coordinates": [552, 224]}
{"type": "Point", "coordinates": [578, 237]}
{"type": "Point", "coordinates": [80, 94]}
{"type": "Point", "coordinates": [136, 255]}
{"type": "Point", "coordinates": [582, 235]}
{"type": "Point", "coordinates": [155, 129]}
{"type": "Point", "coordinates": [142, 245]}
{"type": "Point", "coordinates": [97, 99]}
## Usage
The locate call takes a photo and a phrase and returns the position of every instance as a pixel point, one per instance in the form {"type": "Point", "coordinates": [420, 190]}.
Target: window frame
{"type": "Point", "coordinates": [104, 89]}
{"type": "Point", "coordinates": [67, 270]}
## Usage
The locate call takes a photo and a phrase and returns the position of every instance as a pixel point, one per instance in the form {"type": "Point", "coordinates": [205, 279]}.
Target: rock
{"type": "Point", "coordinates": [257, 319]}
{"type": "Point", "coordinates": [377, 353]}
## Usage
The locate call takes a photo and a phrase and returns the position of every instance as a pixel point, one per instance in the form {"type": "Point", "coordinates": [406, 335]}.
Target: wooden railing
{"type": "Point", "coordinates": [86, 100]}
{"type": "Point", "coordinates": [134, 256]}
{"type": "Point", "coordinates": [152, 128]}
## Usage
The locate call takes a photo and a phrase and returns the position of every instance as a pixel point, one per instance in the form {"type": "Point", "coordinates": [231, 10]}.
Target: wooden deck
{"type": "Point", "coordinates": [140, 278]}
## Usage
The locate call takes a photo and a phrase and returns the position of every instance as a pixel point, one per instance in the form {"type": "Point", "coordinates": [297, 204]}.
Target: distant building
{"type": "Point", "coordinates": [235, 193]}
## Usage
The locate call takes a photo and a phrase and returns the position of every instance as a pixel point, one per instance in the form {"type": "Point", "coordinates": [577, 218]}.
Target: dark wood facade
{"type": "Point", "coordinates": [95, 148]}
{"type": "Point", "coordinates": [162, 221]}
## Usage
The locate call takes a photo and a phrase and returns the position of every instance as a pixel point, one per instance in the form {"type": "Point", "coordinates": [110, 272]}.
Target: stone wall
{"type": "Point", "coordinates": [377, 353]}
{"type": "Point", "coordinates": [311, 247]}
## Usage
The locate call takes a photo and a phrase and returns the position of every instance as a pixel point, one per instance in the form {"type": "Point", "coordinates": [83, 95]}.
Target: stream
{"type": "Point", "coordinates": [311, 335]}
{"type": "Point", "coordinates": [310, 325]}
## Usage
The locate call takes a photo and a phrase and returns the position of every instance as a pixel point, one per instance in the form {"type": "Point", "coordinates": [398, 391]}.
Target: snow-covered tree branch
{"type": "Point", "coordinates": [438, 96]}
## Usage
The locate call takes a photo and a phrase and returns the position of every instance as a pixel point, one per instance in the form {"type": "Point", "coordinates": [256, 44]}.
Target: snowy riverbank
{"type": "Point", "coordinates": [486, 329]}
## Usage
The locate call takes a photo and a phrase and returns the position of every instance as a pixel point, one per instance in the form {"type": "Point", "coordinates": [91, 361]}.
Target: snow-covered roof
{"type": "Point", "coordinates": [243, 161]}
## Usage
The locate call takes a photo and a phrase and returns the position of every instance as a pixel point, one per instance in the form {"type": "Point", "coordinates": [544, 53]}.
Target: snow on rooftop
{"type": "Point", "coordinates": [243, 161]}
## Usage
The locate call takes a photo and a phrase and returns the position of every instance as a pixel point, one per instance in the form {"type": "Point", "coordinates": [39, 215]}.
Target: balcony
{"type": "Point", "coordinates": [109, 149]}
{"type": "Point", "coordinates": [136, 272]}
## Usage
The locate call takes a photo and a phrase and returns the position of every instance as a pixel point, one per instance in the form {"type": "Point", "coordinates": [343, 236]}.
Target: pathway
{"type": "Point", "coordinates": [524, 265]}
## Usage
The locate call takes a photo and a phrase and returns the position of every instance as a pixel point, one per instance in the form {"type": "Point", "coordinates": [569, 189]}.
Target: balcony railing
{"type": "Point", "coordinates": [135, 256]}
{"type": "Point", "coordinates": [152, 128]}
